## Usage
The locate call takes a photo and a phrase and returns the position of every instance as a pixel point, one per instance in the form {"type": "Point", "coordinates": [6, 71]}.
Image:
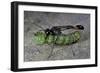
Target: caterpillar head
{"type": "Point", "coordinates": [39, 37]}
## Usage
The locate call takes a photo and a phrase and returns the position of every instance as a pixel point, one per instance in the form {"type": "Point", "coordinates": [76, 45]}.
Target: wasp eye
{"type": "Point", "coordinates": [80, 27]}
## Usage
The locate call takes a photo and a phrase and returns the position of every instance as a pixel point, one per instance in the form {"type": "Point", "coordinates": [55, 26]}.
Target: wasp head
{"type": "Point", "coordinates": [80, 27]}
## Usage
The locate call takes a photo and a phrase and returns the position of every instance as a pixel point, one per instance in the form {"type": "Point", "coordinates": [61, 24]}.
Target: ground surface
{"type": "Point", "coordinates": [34, 21]}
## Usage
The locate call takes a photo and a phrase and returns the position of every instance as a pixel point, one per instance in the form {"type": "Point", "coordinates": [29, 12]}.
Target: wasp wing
{"type": "Point", "coordinates": [62, 28]}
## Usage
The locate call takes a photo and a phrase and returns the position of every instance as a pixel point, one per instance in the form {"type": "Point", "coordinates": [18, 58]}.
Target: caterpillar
{"type": "Point", "coordinates": [62, 39]}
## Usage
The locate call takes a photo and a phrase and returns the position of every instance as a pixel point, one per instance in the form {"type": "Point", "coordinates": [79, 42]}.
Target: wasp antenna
{"type": "Point", "coordinates": [39, 26]}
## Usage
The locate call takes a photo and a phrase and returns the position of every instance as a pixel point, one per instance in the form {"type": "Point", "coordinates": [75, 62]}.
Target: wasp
{"type": "Point", "coordinates": [54, 35]}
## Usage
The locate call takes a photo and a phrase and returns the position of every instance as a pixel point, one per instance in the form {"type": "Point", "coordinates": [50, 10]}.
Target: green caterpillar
{"type": "Point", "coordinates": [40, 38]}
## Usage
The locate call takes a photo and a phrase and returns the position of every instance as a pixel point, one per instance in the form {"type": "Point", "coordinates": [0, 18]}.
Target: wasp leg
{"type": "Point", "coordinates": [51, 53]}
{"type": "Point", "coordinates": [38, 50]}
{"type": "Point", "coordinates": [73, 52]}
